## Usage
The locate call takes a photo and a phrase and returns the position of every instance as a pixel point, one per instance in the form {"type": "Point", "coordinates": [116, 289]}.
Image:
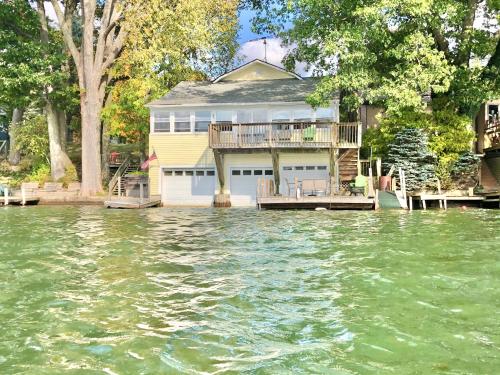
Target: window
{"type": "Point", "coordinates": [189, 173]}
{"type": "Point", "coordinates": [182, 122]}
{"type": "Point", "coordinates": [310, 167]}
{"type": "Point", "coordinates": [178, 173]}
{"type": "Point", "coordinates": [281, 116]}
{"type": "Point", "coordinates": [161, 122]}
{"type": "Point", "coordinates": [243, 117]}
{"type": "Point", "coordinates": [257, 172]}
{"type": "Point", "coordinates": [324, 114]}
{"type": "Point", "coordinates": [302, 115]}
{"type": "Point", "coordinates": [200, 173]}
{"type": "Point", "coordinates": [321, 167]}
{"type": "Point", "coordinates": [223, 117]}
{"type": "Point", "coordinates": [247, 172]}
{"type": "Point", "coordinates": [235, 172]}
{"type": "Point", "coordinates": [201, 121]}
{"type": "Point", "coordinates": [168, 173]}
{"type": "Point", "coordinates": [299, 168]}
{"type": "Point", "coordinates": [259, 115]}
{"type": "Point", "coordinates": [287, 168]}
{"type": "Point", "coordinates": [210, 173]}
{"type": "Point", "coordinates": [268, 172]}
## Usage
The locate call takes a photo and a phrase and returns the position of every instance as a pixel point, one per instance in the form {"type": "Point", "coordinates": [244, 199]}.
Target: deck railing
{"type": "Point", "coordinates": [285, 135]}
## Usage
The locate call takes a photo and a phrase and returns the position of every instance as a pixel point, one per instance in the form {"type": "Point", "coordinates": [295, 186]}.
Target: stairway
{"type": "Point", "coordinates": [348, 164]}
{"type": "Point", "coordinates": [130, 168]}
{"type": "Point", "coordinates": [488, 180]}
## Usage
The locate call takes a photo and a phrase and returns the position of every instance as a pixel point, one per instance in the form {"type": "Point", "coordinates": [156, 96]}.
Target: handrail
{"type": "Point", "coordinates": [2, 145]}
{"type": "Point", "coordinates": [119, 172]}
{"type": "Point", "coordinates": [284, 135]}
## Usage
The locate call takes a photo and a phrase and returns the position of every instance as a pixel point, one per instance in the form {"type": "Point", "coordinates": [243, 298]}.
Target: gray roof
{"type": "Point", "coordinates": [234, 92]}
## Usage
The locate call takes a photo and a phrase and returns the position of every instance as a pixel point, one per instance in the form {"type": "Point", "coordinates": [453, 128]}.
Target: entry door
{"type": "Point", "coordinates": [244, 184]}
{"type": "Point", "coordinates": [192, 187]}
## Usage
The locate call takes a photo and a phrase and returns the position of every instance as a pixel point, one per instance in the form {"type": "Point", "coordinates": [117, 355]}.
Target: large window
{"type": "Point", "coordinates": [244, 117]}
{"type": "Point", "coordinates": [201, 121]}
{"type": "Point", "coordinates": [223, 117]}
{"type": "Point", "coordinates": [182, 122]}
{"type": "Point", "coordinates": [161, 121]}
{"type": "Point", "coordinates": [324, 114]}
{"type": "Point", "coordinates": [302, 115]}
{"type": "Point", "coordinates": [281, 116]}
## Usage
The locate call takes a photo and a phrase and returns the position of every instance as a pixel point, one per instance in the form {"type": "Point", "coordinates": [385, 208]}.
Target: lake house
{"type": "Point", "coordinates": [220, 141]}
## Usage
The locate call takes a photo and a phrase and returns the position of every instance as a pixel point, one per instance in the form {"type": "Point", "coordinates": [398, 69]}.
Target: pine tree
{"type": "Point", "coordinates": [410, 152]}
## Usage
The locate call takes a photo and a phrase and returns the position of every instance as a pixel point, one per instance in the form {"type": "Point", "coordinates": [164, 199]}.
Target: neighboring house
{"type": "Point", "coordinates": [216, 140]}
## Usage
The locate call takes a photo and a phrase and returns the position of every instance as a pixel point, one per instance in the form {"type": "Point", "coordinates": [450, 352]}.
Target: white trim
{"type": "Point", "coordinates": [257, 61]}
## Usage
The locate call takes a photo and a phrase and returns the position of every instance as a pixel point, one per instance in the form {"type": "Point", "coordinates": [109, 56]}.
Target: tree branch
{"type": "Point", "coordinates": [115, 49]}
{"type": "Point", "coordinates": [463, 44]}
{"type": "Point", "coordinates": [65, 24]}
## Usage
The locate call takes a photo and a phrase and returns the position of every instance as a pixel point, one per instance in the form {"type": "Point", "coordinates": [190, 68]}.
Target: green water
{"type": "Point", "coordinates": [84, 290]}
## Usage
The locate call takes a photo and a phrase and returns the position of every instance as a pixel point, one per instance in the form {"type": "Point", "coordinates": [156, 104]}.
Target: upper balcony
{"type": "Point", "coordinates": [311, 135]}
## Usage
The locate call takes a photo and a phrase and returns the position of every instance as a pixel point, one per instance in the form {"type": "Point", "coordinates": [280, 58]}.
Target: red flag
{"type": "Point", "coordinates": [145, 165]}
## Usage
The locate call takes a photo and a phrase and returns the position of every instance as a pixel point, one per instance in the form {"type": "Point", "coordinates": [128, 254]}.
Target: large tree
{"type": "Point", "coordinates": [106, 28]}
{"type": "Point", "coordinates": [393, 51]}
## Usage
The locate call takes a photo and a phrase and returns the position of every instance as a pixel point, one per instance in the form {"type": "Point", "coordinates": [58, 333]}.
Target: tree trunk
{"type": "Point", "coordinates": [59, 161]}
{"type": "Point", "coordinates": [105, 152]}
{"type": "Point", "coordinates": [63, 129]}
{"type": "Point", "coordinates": [91, 142]}
{"type": "Point", "coordinates": [14, 153]}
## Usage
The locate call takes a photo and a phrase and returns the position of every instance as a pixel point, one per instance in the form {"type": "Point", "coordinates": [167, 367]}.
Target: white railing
{"type": "Point", "coordinates": [285, 135]}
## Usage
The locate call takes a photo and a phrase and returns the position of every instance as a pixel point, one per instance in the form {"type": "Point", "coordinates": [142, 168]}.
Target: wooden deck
{"type": "Point", "coordinates": [336, 202]}
{"type": "Point", "coordinates": [132, 202]}
{"type": "Point", "coordinates": [19, 201]}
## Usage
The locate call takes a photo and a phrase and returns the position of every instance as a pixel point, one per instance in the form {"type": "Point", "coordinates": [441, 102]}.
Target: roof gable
{"type": "Point", "coordinates": [257, 70]}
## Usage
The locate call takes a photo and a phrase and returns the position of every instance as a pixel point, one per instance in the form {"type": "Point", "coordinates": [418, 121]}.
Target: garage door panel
{"type": "Point", "coordinates": [243, 184]}
{"type": "Point", "coordinates": [192, 187]}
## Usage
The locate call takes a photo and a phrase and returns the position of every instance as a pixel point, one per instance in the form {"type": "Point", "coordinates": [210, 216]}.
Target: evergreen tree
{"type": "Point", "coordinates": [410, 152]}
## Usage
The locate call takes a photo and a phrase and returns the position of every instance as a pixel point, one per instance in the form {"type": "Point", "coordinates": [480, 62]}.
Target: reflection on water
{"type": "Point", "coordinates": [241, 291]}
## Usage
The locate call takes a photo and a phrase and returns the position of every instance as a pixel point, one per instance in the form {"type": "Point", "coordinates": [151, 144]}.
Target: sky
{"type": "Point", "coordinates": [252, 46]}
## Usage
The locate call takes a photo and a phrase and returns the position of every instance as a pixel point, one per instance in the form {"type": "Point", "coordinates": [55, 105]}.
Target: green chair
{"type": "Point", "coordinates": [358, 186]}
{"type": "Point", "coordinates": [309, 133]}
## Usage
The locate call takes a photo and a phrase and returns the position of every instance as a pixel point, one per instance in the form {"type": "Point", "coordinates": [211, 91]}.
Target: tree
{"type": "Point", "coordinates": [106, 27]}
{"type": "Point", "coordinates": [391, 52]}
{"type": "Point", "coordinates": [409, 151]}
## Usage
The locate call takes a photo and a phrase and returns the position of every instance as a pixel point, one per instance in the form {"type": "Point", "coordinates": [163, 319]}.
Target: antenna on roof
{"type": "Point", "coordinates": [264, 39]}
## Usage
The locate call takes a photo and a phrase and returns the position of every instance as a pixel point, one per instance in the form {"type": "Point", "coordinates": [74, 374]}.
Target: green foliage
{"type": "Point", "coordinates": [409, 150]}
{"type": "Point", "coordinates": [465, 170]}
{"type": "Point", "coordinates": [40, 174]}
{"type": "Point", "coordinates": [33, 138]}
{"type": "Point", "coordinates": [391, 52]}
{"type": "Point", "coordinates": [70, 175]}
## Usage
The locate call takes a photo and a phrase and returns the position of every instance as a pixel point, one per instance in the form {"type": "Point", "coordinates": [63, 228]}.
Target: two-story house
{"type": "Point", "coordinates": [215, 140]}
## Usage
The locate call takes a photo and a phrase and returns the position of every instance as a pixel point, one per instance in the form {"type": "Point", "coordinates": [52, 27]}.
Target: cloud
{"type": "Point", "coordinates": [273, 52]}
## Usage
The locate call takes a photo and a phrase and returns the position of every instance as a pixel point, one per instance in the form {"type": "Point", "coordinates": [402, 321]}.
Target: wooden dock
{"type": "Point", "coordinates": [19, 201]}
{"type": "Point", "coordinates": [132, 202]}
{"type": "Point", "coordinates": [336, 202]}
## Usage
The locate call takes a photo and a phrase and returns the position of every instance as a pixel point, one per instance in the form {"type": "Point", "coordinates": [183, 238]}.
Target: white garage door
{"type": "Point", "coordinates": [302, 172]}
{"type": "Point", "coordinates": [190, 187]}
{"type": "Point", "coordinates": [244, 184]}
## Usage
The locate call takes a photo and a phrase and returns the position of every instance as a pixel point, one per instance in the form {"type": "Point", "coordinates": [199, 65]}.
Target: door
{"type": "Point", "coordinates": [243, 184]}
{"type": "Point", "coordinates": [188, 186]}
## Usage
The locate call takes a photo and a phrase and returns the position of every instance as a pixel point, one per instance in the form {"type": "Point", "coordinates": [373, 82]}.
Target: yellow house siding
{"type": "Point", "coordinates": [178, 150]}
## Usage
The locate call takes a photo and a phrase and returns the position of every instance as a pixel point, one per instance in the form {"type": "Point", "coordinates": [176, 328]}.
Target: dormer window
{"type": "Point", "coordinates": [182, 122]}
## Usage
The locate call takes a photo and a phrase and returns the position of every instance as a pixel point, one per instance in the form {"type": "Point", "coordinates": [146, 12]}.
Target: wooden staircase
{"type": "Point", "coordinates": [488, 180]}
{"type": "Point", "coordinates": [117, 183]}
{"type": "Point", "coordinates": [348, 164]}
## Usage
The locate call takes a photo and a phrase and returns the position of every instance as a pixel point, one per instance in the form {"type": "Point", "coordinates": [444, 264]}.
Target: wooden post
{"type": "Point", "coordinates": [410, 203]}
{"type": "Point", "coordinates": [333, 170]}
{"type": "Point", "coordinates": [424, 206]}
{"type": "Point", "coordinates": [219, 163]}
{"type": "Point", "coordinates": [119, 186]}
{"type": "Point", "coordinates": [370, 183]}
{"type": "Point", "coordinates": [276, 170]}
{"type": "Point", "coordinates": [23, 196]}
{"type": "Point", "coordinates": [379, 167]}
{"type": "Point", "coordinates": [6, 196]}
{"type": "Point", "coordinates": [376, 200]}
{"type": "Point", "coordinates": [141, 192]}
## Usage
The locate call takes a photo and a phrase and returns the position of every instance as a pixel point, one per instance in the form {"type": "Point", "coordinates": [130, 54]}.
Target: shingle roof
{"type": "Point", "coordinates": [234, 92]}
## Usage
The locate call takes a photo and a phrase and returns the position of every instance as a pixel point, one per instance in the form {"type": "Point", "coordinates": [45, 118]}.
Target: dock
{"type": "Point", "coordinates": [133, 202]}
{"type": "Point", "coordinates": [335, 202]}
{"type": "Point", "coordinates": [19, 201]}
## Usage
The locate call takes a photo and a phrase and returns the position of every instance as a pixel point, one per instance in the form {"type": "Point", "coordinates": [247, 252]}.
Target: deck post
{"type": "Point", "coordinates": [141, 192]}
{"type": "Point", "coordinates": [6, 196]}
{"type": "Point", "coordinates": [23, 196]}
{"type": "Point", "coordinates": [410, 202]}
{"type": "Point", "coordinates": [219, 164]}
{"type": "Point", "coordinates": [119, 186]}
{"type": "Point", "coordinates": [333, 170]}
{"type": "Point", "coordinates": [276, 170]}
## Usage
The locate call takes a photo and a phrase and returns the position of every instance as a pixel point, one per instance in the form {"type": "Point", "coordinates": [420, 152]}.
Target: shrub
{"type": "Point", "coordinates": [465, 170]}
{"type": "Point", "coordinates": [40, 174]}
{"type": "Point", "coordinates": [410, 151]}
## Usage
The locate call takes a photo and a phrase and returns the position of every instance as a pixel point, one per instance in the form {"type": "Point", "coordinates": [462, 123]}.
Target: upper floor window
{"type": "Point", "coordinates": [281, 116]}
{"type": "Point", "coordinates": [324, 114]}
{"type": "Point", "coordinates": [223, 117]}
{"type": "Point", "coordinates": [182, 122]}
{"type": "Point", "coordinates": [244, 116]}
{"type": "Point", "coordinates": [201, 121]}
{"type": "Point", "coordinates": [161, 121]}
{"type": "Point", "coordinates": [302, 115]}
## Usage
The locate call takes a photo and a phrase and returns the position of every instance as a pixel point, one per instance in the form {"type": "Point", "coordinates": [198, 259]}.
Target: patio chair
{"type": "Point", "coordinates": [309, 133]}
{"type": "Point", "coordinates": [358, 186]}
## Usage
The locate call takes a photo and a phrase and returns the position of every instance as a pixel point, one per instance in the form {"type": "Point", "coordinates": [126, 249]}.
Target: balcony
{"type": "Point", "coordinates": [298, 135]}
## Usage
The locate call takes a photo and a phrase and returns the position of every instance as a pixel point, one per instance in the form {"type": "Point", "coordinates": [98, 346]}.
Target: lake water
{"type": "Point", "coordinates": [84, 290]}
